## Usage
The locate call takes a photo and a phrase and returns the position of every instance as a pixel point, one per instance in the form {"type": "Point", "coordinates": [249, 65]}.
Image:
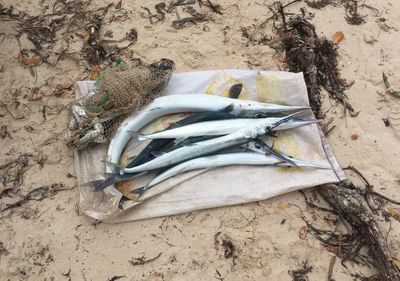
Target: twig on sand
{"type": "Point", "coordinates": [389, 89]}
{"type": "Point", "coordinates": [331, 265]}
{"type": "Point", "coordinates": [38, 194]}
{"type": "Point", "coordinates": [142, 260]}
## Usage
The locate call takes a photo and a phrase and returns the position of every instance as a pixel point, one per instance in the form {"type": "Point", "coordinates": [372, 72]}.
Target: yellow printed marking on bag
{"type": "Point", "coordinates": [269, 89]}
{"type": "Point", "coordinates": [285, 143]}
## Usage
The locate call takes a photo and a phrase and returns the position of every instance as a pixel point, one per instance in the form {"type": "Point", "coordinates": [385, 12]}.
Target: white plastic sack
{"type": "Point", "coordinates": [221, 186]}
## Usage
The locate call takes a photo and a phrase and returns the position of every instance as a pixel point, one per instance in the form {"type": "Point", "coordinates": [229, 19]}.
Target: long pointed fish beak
{"type": "Point", "coordinates": [298, 122]}
{"type": "Point", "coordinates": [301, 163]}
{"type": "Point", "coordinates": [271, 151]}
{"type": "Point", "coordinates": [284, 120]}
{"type": "Point", "coordinates": [289, 108]}
{"type": "Point", "coordinates": [279, 156]}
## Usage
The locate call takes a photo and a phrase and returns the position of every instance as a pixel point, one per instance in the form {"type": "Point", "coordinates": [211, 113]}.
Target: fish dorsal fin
{"type": "Point", "coordinates": [229, 108]}
{"type": "Point", "coordinates": [235, 90]}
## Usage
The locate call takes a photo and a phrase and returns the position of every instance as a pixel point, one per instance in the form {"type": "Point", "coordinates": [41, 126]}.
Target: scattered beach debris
{"type": "Point", "coordinates": [303, 232]}
{"type": "Point", "coordinates": [255, 36]}
{"type": "Point", "coordinates": [67, 274]}
{"type": "Point", "coordinates": [359, 213]}
{"type": "Point", "coordinates": [386, 121]}
{"type": "Point", "coordinates": [337, 37]}
{"type": "Point", "coordinates": [13, 171]}
{"type": "Point", "coordinates": [352, 15]}
{"type": "Point", "coordinates": [227, 245]}
{"type": "Point", "coordinates": [394, 213]}
{"type": "Point", "coordinates": [330, 269]}
{"type": "Point", "coordinates": [186, 6]}
{"type": "Point", "coordinates": [351, 8]}
{"type": "Point", "coordinates": [352, 204]}
{"type": "Point", "coordinates": [54, 34]}
{"type": "Point", "coordinates": [195, 18]}
{"type": "Point", "coordinates": [116, 277]}
{"type": "Point", "coordinates": [3, 250]}
{"type": "Point", "coordinates": [38, 194]}
{"type": "Point", "coordinates": [283, 206]}
{"type": "Point", "coordinates": [4, 132]}
{"type": "Point", "coordinates": [369, 39]}
{"type": "Point", "coordinates": [317, 58]}
{"type": "Point", "coordinates": [142, 260]}
{"type": "Point", "coordinates": [347, 201]}
{"type": "Point", "coordinates": [300, 274]}
{"type": "Point", "coordinates": [229, 248]}
{"type": "Point", "coordinates": [302, 50]}
{"type": "Point", "coordinates": [389, 90]}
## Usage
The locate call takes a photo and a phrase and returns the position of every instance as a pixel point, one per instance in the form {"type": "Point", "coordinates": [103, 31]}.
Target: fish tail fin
{"type": "Point", "coordinates": [140, 190]}
{"type": "Point", "coordinates": [135, 135]}
{"type": "Point", "coordinates": [114, 168]}
{"type": "Point", "coordinates": [99, 185]}
{"type": "Point", "coordinates": [142, 137]}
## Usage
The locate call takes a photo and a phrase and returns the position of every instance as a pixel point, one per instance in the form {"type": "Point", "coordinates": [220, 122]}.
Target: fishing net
{"type": "Point", "coordinates": [121, 90]}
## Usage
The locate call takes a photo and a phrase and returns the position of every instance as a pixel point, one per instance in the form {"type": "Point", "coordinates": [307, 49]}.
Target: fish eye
{"type": "Point", "coordinates": [257, 145]}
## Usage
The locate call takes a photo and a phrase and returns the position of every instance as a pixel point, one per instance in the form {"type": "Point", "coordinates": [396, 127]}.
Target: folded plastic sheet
{"type": "Point", "coordinates": [218, 187]}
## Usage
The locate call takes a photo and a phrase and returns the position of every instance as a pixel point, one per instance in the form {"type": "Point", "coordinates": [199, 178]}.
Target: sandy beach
{"type": "Point", "coordinates": [49, 239]}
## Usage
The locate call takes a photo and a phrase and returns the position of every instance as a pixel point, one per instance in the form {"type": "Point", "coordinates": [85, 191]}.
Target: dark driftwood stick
{"type": "Point", "coordinates": [354, 209]}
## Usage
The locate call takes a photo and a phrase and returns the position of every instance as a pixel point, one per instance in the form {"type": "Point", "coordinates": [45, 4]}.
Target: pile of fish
{"type": "Point", "coordinates": [221, 131]}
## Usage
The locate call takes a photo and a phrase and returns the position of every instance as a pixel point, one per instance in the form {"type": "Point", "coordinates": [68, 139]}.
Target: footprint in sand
{"type": "Point", "coordinates": [394, 116]}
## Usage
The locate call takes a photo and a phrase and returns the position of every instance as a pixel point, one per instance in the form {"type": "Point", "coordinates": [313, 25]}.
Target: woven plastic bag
{"type": "Point", "coordinates": [221, 186]}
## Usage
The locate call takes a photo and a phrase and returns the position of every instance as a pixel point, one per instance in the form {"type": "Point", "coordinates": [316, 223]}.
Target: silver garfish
{"type": "Point", "coordinates": [219, 128]}
{"type": "Point", "coordinates": [194, 150]}
{"type": "Point", "coordinates": [220, 160]}
{"type": "Point", "coordinates": [189, 151]}
{"type": "Point", "coordinates": [187, 103]}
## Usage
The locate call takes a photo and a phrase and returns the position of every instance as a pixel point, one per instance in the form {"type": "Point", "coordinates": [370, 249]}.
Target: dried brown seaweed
{"type": "Point", "coordinates": [352, 207]}
{"type": "Point", "coordinates": [38, 194]}
{"type": "Point", "coordinates": [194, 19]}
{"type": "Point", "coordinates": [4, 132]}
{"type": "Point", "coordinates": [316, 58]}
{"type": "Point", "coordinates": [300, 274]}
{"type": "Point", "coordinates": [142, 260]}
{"type": "Point", "coordinates": [352, 15]}
{"type": "Point", "coordinates": [319, 4]}
{"type": "Point", "coordinates": [187, 7]}
{"type": "Point", "coordinates": [67, 20]}
{"type": "Point", "coordinates": [350, 6]}
{"type": "Point", "coordinates": [12, 172]}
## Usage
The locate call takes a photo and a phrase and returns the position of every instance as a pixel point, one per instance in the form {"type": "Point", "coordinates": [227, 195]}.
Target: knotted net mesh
{"type": "Point", "coordinates": [122, 90]}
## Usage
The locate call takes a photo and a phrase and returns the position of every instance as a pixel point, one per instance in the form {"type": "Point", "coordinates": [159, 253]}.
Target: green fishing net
{"type": "Point", "coordinates": [121, 90]}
